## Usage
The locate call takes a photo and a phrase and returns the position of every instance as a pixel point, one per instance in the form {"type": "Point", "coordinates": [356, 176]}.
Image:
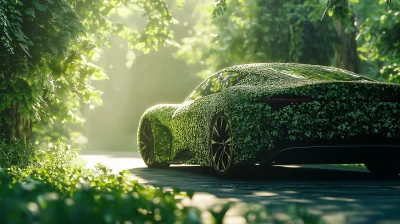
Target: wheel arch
{"type": "Point", "coordinates": [160, 117]}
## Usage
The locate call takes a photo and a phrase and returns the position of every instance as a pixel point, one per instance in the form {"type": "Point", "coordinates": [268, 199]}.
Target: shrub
{"type": "Point", "coordinates": [49, 189]}
{"type": "Point", "coordinates": [15, 153]}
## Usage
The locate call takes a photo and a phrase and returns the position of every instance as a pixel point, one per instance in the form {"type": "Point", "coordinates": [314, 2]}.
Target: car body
{"type": "Point", "coordinates": [277, 113]}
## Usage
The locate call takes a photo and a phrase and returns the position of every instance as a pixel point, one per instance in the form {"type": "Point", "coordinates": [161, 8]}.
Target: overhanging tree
{"type": "Point", "coordinates": [37, 65]}
{"type": "Point", "coordinates": [46, 53]}
{"type": "Point", "coordinates": [259, 31]}
{"type": "Point", "coordinates": [281, 27]}
{"type": "Point", "coordinates": [379, 40]}
{"type": "Point", "coordinates": [47, 48]}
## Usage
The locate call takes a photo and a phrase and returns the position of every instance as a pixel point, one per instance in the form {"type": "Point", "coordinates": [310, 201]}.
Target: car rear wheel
{"type": "Point", "coordinates": [146, 146]}
{"type": "Point", "coordinates": [384, 166]}
{"type": "Point", "coordinates": [221, 145]}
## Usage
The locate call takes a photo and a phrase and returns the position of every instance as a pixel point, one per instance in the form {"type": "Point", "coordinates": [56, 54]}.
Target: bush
{"type": "Point", "coordinates": [15, 153]}
{"type": "Point", "coordinates": [49, 189]}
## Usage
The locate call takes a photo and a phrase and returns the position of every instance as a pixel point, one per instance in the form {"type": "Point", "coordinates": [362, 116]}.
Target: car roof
{"type": "Point", "coordinates": [291, 72]}
{"type": "Point", "coordinates": [282, 75]}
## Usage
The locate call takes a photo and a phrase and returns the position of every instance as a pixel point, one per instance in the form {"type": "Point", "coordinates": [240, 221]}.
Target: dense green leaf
{"type": "Point", "coordinates": [45, 187]}
{"type": "Point", "coordinates": [50, 45]}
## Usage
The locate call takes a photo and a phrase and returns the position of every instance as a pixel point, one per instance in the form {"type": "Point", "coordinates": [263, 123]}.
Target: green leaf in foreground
{"type": "Point", "coordinates": [49, 189]}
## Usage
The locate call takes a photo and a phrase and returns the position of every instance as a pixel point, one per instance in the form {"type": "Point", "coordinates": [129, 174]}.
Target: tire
{"type": "Point", "coordinates": [146, 146]}
{"type": "Point", "coordinates": [383, 166]}
{"type": "Point", "coordinates": [221, 148]}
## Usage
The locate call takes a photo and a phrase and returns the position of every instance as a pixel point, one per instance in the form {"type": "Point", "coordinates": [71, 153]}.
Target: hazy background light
{"type": "Point", "coordinates": [136, 82]}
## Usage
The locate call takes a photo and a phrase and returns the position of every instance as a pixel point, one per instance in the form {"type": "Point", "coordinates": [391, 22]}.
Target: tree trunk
{"type": "Point", "coordinates": [346, 56]}
{"type": "Point", "coordinates": [14, 126]}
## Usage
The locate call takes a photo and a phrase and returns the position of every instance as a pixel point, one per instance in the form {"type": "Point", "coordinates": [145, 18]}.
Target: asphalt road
{"type": "Point", "coordinates": [339, 195]}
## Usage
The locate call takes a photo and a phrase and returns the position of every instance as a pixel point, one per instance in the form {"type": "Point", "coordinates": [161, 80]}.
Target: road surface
{"type": "Point", "coordinates": [339, 195]}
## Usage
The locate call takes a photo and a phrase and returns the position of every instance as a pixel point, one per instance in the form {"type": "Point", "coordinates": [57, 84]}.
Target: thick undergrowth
{"type": "Point", "coordinates": [47, 188]}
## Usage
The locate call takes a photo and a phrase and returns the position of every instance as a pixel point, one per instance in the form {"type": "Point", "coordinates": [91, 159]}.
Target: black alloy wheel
{"type": "Point", "coordinates": [146, 146]}
{"type": "Point", "coordinates": [221, 145]}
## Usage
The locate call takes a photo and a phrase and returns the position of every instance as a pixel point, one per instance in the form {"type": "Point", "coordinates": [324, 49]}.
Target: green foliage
{"type": "Point", "coordinates": [51, 190]}
{"type": "Point", "coordinates": [294, 31]}
{"type": "Point", "coordinates": [11, 27]}
{"type": "Point", "coordinates": [295, 213]}
{"type": "Point", "coordinates": [97, 18]}
{"type": "Point", "coordinates": [47, 50]}
{"type": "Point", "coordinates": [44, 74]}
{"type": "Point", "coordinates": [344, 107]}
{"type": "Point", "coordinates": [161, 133]}
{"type": "Point", "coordinates": [391, 72]}
{"type": "Point", "coordinates": [379, 44]}
{"type": "Point", "coordinates": [54, 191]}
{"type": "Point", "coordinates": [15, 153]}
{"type": "Point", "coordinates": [258, 31]}
{"type": "Point", "coordinates": [220, 8]}
{"type": "Point", "coordinates": [338, 9]}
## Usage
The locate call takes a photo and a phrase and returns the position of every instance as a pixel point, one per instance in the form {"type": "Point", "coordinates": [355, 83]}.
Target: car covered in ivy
{"type": "Point", "coordinates": [277, 113]}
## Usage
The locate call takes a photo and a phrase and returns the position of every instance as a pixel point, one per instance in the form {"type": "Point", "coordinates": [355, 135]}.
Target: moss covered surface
{"type": "Point", "coordinates": [342, 106]}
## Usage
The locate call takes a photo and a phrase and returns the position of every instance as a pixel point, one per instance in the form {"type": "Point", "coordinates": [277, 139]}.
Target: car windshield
{"type": "Point", "coordinates": [216, 83]}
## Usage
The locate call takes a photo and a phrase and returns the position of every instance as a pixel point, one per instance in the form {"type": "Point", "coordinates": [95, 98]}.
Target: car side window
{"type": "Point", "coordinates": [215, 83]}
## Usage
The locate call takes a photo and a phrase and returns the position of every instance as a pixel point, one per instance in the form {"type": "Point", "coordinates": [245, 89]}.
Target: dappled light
{"type": "Point", "coordinates": [320, 189]}
{"type": "Point", "coordinates": [207, 111]}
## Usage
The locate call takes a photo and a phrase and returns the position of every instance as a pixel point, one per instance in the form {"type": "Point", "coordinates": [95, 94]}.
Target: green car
{"type": "Point", "coordinates": [276, 113]}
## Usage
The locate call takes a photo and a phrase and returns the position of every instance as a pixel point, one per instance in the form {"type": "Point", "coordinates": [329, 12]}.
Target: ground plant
{"type": "Point", "coordinates": [50, 189]}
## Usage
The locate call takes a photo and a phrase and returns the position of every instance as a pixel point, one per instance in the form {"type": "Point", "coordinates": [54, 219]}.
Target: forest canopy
{"type": "Point", "coordinates": [355, 35]}
{"type": "Point", "coordinates": [49, 48]}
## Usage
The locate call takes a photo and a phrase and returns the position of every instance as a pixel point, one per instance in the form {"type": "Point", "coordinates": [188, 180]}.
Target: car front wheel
{"type": "Point", "coordinates": [147, 146]}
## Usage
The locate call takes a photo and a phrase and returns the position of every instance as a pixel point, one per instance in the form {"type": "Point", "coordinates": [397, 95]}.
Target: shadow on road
{"type": "Point", "coordinates": [340, 196]}
{"type": "Point", "coordinates": [274, 173]}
